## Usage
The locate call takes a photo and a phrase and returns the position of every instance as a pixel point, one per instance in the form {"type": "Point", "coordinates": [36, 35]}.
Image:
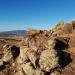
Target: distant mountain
{"type": "Point", "coordinates": [14, 32]}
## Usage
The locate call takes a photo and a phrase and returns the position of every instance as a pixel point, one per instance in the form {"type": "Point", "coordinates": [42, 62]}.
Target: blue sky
{"type": "Point", "coordinates": [39, 14]}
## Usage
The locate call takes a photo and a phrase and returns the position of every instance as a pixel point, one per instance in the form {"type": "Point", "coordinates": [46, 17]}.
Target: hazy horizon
{"type": "Point", "coordinates": [38, 14]}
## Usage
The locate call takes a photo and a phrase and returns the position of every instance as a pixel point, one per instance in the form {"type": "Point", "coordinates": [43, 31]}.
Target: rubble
{"type": "Point", "coordinates": [39, 51]}
{"type": "Point", "coordinates": [42, 52]}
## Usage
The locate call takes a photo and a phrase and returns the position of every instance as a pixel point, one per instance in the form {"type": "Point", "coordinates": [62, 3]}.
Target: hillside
{"type": "Point", "coordinates": [15, 32]}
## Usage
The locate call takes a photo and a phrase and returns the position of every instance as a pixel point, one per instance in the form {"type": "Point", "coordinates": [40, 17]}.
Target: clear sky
{"type": "Point", "coordinates": [39, 14]}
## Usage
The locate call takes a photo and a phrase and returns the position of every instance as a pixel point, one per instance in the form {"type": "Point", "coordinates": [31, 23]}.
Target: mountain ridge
{"type": "Point", "coordinates": [13, 32]}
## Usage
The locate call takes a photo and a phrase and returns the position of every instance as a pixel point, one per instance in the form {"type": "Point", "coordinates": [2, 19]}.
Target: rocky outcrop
{"type": "Point", "coordinates": [41, 52]}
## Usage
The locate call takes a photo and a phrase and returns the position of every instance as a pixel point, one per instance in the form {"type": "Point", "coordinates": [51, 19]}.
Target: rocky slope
{"type": "Point", "coordinates": [42, 52]}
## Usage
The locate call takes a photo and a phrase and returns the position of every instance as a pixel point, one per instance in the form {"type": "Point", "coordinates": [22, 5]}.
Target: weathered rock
{"type": "Point", "coordinates": [10, 52]}
{"type": "Point", "coordinates": [19, 73]}
{"type": "Point", "coordinates": [51, 43]}
{"type": "Point", "coordinates": [73, 24]}
{"type": "Point", "coordinates": [7, 53]}
{"type": "Point", "coordinates": [32, 57]}
{"type": "Point", "coordinates": [39, 72]}
{"type": "Point", "coordinates": [67, 28]}
{"type": "Point", "coordinates": [1, 62]}
{"type": "Point", "coordinates": [55, 73]}
{"type": "Point", "coordinates": [48, 60]}
{"type": "Point", "coordinates": [27, 54]}
{"type": "Point", "coordinates": [28, 69]}
{"type": "Point", "coordinates": [23, 54]}
{"type": "Point", "coordinates": [33, 31]}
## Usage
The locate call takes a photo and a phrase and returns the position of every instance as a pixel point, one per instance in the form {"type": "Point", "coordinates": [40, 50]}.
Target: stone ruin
{"type": "Point", "coordinates": [41, 52]}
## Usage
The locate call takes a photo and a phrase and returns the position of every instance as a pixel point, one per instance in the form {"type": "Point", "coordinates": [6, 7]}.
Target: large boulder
{"type": "Point", "coordinates": [48, 60]}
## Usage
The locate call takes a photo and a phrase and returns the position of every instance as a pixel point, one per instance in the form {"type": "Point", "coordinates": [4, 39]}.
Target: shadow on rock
{"type": "Point", "coordinates": [61, 45]}
{"type": "Point", "coordinates": [47, 73]}
{"type": "Point", "coordinates": [64, 57]}
{"type": "Point", "coordinates": [2, 67]}
{"type": "Point", "coordinates": [15, 51]}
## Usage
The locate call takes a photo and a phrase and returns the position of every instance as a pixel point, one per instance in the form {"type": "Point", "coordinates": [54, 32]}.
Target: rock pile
{"type": "Point", "coordinates": [42, 52]}
{"type": "Point", "coordinates": [38, 54]}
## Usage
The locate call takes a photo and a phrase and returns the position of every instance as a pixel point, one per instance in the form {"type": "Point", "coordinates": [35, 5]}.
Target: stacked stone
{"type": "Point", "coordinates": [37, 53]}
